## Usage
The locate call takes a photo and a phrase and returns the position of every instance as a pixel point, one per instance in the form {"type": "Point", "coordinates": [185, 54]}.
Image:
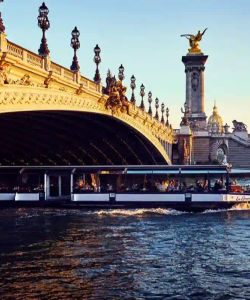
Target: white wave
{"type": "Point", "coordinates": [239, 206]}
{"type": "Point", "coordinates": [138, 212]}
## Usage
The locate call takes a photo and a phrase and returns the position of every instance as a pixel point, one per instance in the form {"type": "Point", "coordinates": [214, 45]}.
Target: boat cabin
{"type": "Point", "coordinates": [121, 183]}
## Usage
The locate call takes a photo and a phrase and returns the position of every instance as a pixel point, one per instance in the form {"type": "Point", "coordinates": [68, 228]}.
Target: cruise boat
{"type": "Point", "coordinates": [190, 188]}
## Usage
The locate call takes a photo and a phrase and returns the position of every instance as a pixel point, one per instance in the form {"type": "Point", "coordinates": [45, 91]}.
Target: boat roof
{"type": "Point", "coordinates": [119, 167]}
{"type": "Point", "coordinates": [127, 169]}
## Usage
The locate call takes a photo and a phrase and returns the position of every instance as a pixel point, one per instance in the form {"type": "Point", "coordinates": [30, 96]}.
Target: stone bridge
{"type": "Point", "coordinates": [52, 115]}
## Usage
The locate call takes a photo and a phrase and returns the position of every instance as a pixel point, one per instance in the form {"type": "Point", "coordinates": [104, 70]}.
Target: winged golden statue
{"type": "Point", "coordinates": [194, 41]}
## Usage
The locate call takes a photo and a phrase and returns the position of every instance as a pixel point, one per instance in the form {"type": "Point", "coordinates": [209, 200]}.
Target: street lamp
{"type": "Point", "coordinates": [133, 86]}
{"type": "Point", "coordinates": [167, 115]}
{"type": "Point", "coordinates": [121, 73]}
{"type": "Point", "coordinates": [142, 93]}
{"type": "Point", "coordinates": [150, 101]}
{"type": "Point", "coordinates": [97, 60]}
{"type": "Point", "coordinates": [2, 28]}
{"type": "Point", "coordinates": [75, 44]}
{"type": "Point", "coordinates": [156, 107]}
{"type": "Point", "coordinates": [162, 112]}
{"type": "Point", "coordinates": [44, 24]}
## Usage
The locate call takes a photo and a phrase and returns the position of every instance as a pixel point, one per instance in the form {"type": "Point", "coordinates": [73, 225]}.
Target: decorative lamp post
{"type": "Point", "coordinates": [44, 24]}
{"type": "Point", "coordinates": [156, 106]}
{"type": "Point", "coordinates": [167, 115]}
{"type": "Point", "coordinates": [133, 86]}
{"type": "Point", "coordinates": [142, 93]}
{"type": "Point", "coordinates": [2, 28]}
{"type": "Point", "coordinates": [75, 44]}
{"type": "Point", "coordinates": [162, 112]}
{"type": "Point", "coordinates": [150, 101]}
{"type": "Point", "coordinates": [226, 128]}
{"type": "Point", "coordinates": [121, 73]}
{"type": "Point", "coordinates": [97, 60]}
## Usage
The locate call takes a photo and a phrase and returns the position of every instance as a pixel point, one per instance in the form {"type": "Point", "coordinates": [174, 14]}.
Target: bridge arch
{"type": "Point", "coordinates": [102, 138]}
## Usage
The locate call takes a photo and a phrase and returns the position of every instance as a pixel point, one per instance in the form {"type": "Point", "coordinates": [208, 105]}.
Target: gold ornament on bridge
{"type": "Point", "coordinates": [25, 80]}
{"type": "Point", "coordinates": [48, 80]}
{"type": "Point", "coordinates": [117, 99]}
{"type": "Point", "coordinates": [79, 90]}
{"type": "Point", "coordinates": [4, 71]}
{"type": "Point", "coordinates": [194, 41]}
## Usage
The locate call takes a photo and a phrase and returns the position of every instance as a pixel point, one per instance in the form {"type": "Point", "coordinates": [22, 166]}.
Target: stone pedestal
{"type": "Point", "coordinates": [242, 135]}
{"type": "Point", "coordinates": [194, 69]}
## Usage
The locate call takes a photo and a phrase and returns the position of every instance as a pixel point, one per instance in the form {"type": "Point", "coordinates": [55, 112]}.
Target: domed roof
{"type": "Point", "coordinates": [215, 123]}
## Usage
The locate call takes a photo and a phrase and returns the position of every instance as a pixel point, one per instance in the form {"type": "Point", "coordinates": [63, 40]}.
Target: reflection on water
{"type": "Point", "coordinates": [124, 254]}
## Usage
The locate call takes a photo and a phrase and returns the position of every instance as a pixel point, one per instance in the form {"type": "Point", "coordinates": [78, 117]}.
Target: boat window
{"type": "Point", "coordinates": [239, 183]}
{"type": "Point", "coordinates": [194, 182]}
{"type": "Point", "coordinates": [30, 183]}
{"type": "Point", "coordinates": [86, 183]}
{"type": "Point", "coordinates": [106, 182]}
{"type": "Point", "coordinates": [109, 182]}
{"type": "Point", "coordinates": [8, 183]}
{"type": "Point", "coordinates": [131, 183]}
{"type": "Point", "coordinates": [217, 182]}
{"type": "Point", "coordinates": [166, 182]}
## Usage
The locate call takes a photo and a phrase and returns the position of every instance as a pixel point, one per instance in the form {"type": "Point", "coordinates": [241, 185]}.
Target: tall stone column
{"type": "Point", "coordinates": [194, 69]}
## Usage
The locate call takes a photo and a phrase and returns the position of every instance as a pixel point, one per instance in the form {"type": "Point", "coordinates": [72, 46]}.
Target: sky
{"type": "Point", "coordinates": [144, 36]}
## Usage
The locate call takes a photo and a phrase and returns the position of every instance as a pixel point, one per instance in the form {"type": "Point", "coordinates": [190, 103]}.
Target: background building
{"type": "Point", "coordinates": [207, 141]}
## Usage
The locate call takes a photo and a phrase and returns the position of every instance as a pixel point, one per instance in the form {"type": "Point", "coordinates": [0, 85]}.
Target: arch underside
{"type": "Point", "coordinates": [72, 138]}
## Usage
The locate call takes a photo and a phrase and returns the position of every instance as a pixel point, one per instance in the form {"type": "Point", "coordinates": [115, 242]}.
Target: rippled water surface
{"type": "Point", "coordinates": [119, 254]}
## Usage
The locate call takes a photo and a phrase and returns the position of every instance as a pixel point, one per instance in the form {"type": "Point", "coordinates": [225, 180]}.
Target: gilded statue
{"type": "Point", "coordinates": [25, 80]}
{"type": "Point", "coordinates": [186, 152]}
{"type": "Point", "coordinates": [117, 99]}
{"type": "Point", "coordinates": [4, 70]}
{"type": "Point", "coordinates": [122, 93]}
{"type": "Point", "coordinates": [194, 41]}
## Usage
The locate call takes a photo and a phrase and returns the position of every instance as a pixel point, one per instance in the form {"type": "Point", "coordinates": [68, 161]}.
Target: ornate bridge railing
{"type": "Point", "coordinates": [27, 57]}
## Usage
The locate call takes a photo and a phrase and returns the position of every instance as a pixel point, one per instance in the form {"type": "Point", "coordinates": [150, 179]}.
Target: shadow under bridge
{"type": "Point", "coordinates": [72, 138]}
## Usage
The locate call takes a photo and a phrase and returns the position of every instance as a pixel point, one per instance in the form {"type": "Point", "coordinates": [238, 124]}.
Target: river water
{"type": "Point", "coordinates": [124, 254]}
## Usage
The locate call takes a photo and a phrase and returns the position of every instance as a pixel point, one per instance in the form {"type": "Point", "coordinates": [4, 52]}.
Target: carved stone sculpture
{"type": "Point", "coordinates": [186, 111]}
{"type": "Point", "coordinates": [239, 126]}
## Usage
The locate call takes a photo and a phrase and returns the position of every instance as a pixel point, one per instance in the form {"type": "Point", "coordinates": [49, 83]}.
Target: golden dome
{"type": "Point", "coordinates": [215, 123]}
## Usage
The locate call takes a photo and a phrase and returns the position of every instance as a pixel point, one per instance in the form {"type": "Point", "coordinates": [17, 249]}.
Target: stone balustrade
{"type": "Point", "coordinates": [35, 60]}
